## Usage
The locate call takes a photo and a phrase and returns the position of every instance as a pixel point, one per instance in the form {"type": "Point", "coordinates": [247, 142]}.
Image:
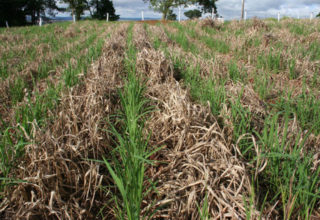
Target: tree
{"type": "Point", "coordinates": [77, 7]}
{"type": "Point", "coordinates": [12, 11]}
{"type": "Point", "coordinates": [164, 6]}
{"type": "Point", "coordinates": [100, 8]}
{"type": "Point", "coordinates": [37, 8]}
{"type": "Point", "coordinates": [318, 16]}
{"type": "Point", "coordinates": [193, 14]}
{"type": "Point", "coordinates": [171, 16]}
{"type": "Point", "coordinates": [15, 11]}
{"type": "Point", "coordinates": [208, 6]}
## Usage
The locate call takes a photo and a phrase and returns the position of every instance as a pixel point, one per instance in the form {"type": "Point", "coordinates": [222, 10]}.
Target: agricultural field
{"type": "Point", "coordinates": [131, 120]}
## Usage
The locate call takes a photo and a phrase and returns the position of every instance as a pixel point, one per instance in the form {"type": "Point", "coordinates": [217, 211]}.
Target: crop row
{"type": "Point", "coordinates": [270, 134]}
{"type": "Point", "coordinates": [31, 96]}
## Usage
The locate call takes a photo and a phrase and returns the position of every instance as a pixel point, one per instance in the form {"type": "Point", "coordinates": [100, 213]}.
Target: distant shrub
{"type": "Point", "coordinates": [191, 14]}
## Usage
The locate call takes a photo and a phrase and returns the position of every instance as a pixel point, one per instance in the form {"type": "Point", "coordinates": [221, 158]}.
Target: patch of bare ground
{"type": "Point", "coordinates": [60, 181]}
{"type": "Point", "coordinates": [196, 159]}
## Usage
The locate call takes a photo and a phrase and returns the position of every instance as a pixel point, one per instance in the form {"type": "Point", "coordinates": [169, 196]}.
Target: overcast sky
{"type": "Point", "coordinates": [229, 9]}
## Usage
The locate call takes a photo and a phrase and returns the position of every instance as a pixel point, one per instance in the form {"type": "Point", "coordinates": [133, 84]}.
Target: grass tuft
{"type": "Point", "coordinates": [129, 158]}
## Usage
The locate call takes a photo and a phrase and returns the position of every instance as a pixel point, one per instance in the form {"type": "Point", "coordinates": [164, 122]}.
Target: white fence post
{"type": "Point", "coordinates": [278, 16]}
{"type": "Point", "coordinates": [213, 15]}
{"type": "Point", "coordinates": [179, 14]}
{"type": "Point", "coordinates": [7, 24]}
{"type": "Point", "coordinates": [311, 16]}
{"type": "Point", "coordinates": [245, 15]}
{"type": "Point", "coordinates": [107, 17]}
{"type": "Point", "coordinates": [74, 18]}
{"type": "Point", "coordinates": [40, 22]}
{"type": "Point", "coordinates": [142, 16]}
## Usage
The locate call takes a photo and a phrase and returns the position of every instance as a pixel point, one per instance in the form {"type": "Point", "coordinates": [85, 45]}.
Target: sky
{"type": "Point", "coordinates": [229, 9]}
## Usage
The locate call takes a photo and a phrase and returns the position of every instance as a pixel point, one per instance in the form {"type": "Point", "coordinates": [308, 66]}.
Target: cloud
{"type": "Point", "coordinates": [229, 9]}
{"type": "Point", "coordinates": [133, 9]}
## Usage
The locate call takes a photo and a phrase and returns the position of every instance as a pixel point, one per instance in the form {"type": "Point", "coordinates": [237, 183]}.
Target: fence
{"type": "Point", "coordinates": [213, 16]}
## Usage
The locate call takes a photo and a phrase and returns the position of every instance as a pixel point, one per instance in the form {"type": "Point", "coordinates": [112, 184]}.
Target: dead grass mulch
{"type": "Point", "coordinates": [196, 160]}
{"type": "Point", "coordinates": [61, 183]}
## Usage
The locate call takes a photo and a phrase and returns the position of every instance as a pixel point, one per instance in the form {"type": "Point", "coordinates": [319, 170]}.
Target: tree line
{"type": "Point", "coordinates": [166, 7]}
{"type": "Point", "coordinates": [15, 12]}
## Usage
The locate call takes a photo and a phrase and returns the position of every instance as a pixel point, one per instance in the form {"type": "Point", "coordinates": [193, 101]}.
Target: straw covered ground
{"type": "Point", "coordinates": [133, 120]}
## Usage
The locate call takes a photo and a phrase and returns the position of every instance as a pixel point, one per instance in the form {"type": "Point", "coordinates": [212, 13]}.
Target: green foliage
{"type": "Point", "coordinates": [298, 29]}
{"type": "Point", "coordinates": [314, 50]}
{"type": "Point", "coordinates": [10, 151]}
{"type": "Point", "coordinates": [215, 44]}
{"type": "Point", "coordinates": [191, 14]}
{"type": "Point", "coordinates": [202, 90]}
{"type": "Point", "coordinates": [37, 110]}
{"type": "Point", "coordinates": [262, 84]}
{"type": "Point", "coordinates": [12, 11]}
{"type": "Point", "coordinates": [241, 119]}
{"type": "Point", "coordinates": [39, 102]}
{"type": "Point", "coordinates": [17, 90]}
{"type": "Point", "coordinates": [288, 173]}
{"type": "Point", "coordinates": [3, 70]}
{"type": "Point", "coordinates": [127, 166]}
{"type": "Point", "coordinates": [307, 109]}
{"type": "Point", "coordinates": [15, 11]}
{"type": "Point", "coordinates": [101, 8]}
{"type": "Point", "coordinates": [289, 176]}
{"type": "Point", "coordinates": [252, 42]}
{"type": "Point", "coordinates": [208, 6]}
{"type": "Point", "coordinates": [39, 8]}
{"type": "Point", "coordinates": [181, 38]}
{"type": "Point", "coordinates": [164, 6]}
{"type": "Point", "coordinates": [204, 210]}
{"type": "Point", "coordinates": [271, 61]}
{"type": "Point", "coordinates": [293, 74]}
{"type": "Point", "coordinates": [171, 16]}
{"type": "Point", "coordinates": [234, 72]}
{"type": "Point", "coordinates": [77, 7]}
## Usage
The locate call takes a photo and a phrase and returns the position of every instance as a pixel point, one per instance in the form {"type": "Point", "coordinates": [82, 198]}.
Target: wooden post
{"type": "Point", "coordinates": [242, 10]}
